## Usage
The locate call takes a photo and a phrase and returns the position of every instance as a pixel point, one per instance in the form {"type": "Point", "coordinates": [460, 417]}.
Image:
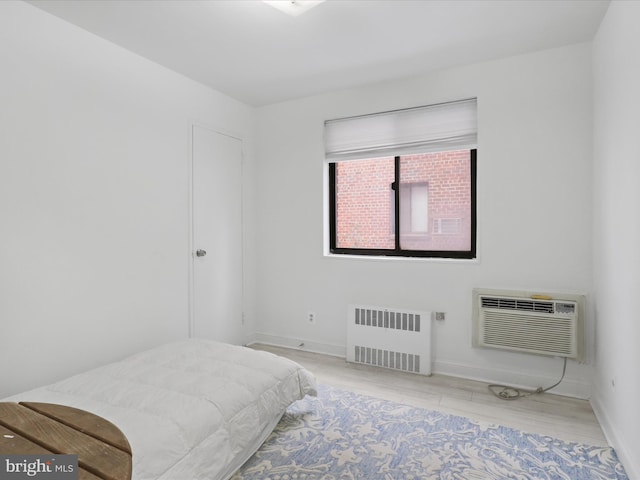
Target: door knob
{"type": "Point", "coordinates": [201, 253]}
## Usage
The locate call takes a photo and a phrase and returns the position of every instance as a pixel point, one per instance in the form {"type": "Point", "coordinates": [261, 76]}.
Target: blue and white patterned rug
{"type": "Point", "coordinates": [343, 435]}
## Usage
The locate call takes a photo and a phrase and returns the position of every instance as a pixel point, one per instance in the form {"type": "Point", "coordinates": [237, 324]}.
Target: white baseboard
{"type": "Point", "coordinates": [298, 344]}
{"type": "Point", "coordinates": [631, 462]}
{"type": "Point", "coordinates": [567, 388]}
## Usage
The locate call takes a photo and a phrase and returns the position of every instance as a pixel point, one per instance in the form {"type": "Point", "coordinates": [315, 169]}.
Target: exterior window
{"type": "Point", "coordinates": [415, 198]}
{"type": "Point", "coordinates": [414, 217]}
{"type": "Point", "coordinates": [403, 182]}
{"type": "Point", "coordinates": [415, 205]}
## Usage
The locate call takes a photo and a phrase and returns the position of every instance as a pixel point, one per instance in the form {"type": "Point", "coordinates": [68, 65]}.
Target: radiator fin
{"type": "Point", "coordinates": [406, 362]}
{"type": "Point", "coordinates": [387, 319]}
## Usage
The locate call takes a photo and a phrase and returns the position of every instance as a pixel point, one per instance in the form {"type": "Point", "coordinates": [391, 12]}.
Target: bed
{"type": "Point", "coordinates": [191, 410]}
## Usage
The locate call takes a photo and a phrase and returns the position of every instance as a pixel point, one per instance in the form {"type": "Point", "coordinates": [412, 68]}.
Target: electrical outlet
{"type": "Point", "coordinates": [438, 316]}
{"type": "Point", "coordinates": [311, 318]}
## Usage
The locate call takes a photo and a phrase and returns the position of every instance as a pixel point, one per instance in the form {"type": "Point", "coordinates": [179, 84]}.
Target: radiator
{"type": "Point", "coordinates": [393, 338]}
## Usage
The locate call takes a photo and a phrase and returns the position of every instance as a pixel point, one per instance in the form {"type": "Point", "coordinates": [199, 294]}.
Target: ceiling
{"type": "Point", "coordinates": [259, 55]}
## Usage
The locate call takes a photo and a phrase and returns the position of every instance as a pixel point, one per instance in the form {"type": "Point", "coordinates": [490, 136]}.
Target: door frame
{"type": "Point", "coordinates": [192, 248]}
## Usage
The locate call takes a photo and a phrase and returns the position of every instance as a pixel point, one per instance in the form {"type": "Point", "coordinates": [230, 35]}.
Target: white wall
{"type": "Point", "coordinates": [94, 197]}
{"type": "Point", "coordinates": [534, 190]}
{"type": "Point", "coordinates": [616, 199]}
{"type": "Point", "coordinates": [94, 200]}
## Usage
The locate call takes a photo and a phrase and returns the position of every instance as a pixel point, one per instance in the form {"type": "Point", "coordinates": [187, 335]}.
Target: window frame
{"type": "Point", "coordinates": [397, 251]}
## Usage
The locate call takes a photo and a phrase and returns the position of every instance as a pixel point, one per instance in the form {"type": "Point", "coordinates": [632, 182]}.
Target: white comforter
{"type": "Point", "coordinates": [191, 410]}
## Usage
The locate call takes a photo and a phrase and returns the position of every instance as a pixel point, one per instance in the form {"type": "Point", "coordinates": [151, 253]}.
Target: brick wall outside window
{"type": "Point", "coordinates": [364, 201]}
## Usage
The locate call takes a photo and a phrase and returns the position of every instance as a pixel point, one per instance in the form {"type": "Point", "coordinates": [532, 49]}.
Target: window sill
{"type": "Point", "coordinates": [390, 258]}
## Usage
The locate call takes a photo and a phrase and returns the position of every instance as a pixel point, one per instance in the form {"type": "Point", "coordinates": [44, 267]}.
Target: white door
{"type": "Point", "coordinates": [217, 236]}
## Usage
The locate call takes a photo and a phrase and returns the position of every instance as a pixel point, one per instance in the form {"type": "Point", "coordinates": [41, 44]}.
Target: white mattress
{"type": "Point", "coordinates": [191, 410]}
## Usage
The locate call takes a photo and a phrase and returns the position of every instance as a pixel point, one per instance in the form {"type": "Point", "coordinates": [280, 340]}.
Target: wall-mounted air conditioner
{"type": "Point", "coordinates": [544, 324]}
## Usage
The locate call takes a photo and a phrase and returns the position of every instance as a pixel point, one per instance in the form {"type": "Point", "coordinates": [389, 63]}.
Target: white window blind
{"type": "Point", "coordinates": [434, 128]}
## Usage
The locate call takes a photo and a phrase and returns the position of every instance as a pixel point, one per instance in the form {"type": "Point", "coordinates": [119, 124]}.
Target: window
{"type": "Point", "coordinates": [418, 202]}
{"type": "Point", "coordinates": [436, 205]}
{"type": "Point", "coordinates": [414, 215]}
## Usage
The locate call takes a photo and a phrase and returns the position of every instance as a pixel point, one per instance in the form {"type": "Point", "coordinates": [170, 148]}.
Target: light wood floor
{"type": "Point", "coordinates": [546, 414]}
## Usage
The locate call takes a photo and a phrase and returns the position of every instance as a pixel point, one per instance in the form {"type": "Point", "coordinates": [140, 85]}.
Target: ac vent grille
{"type": "Point", "coordinates": [523, 305]}
{"type": "Point", "coordinates": [528, 324]}
{"type": "Point", "coordinates": [406, 362]}
{"type": "Point", "coordinates": [533, 333]}
{"type": "Point", "coordinates": [447, 226]}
